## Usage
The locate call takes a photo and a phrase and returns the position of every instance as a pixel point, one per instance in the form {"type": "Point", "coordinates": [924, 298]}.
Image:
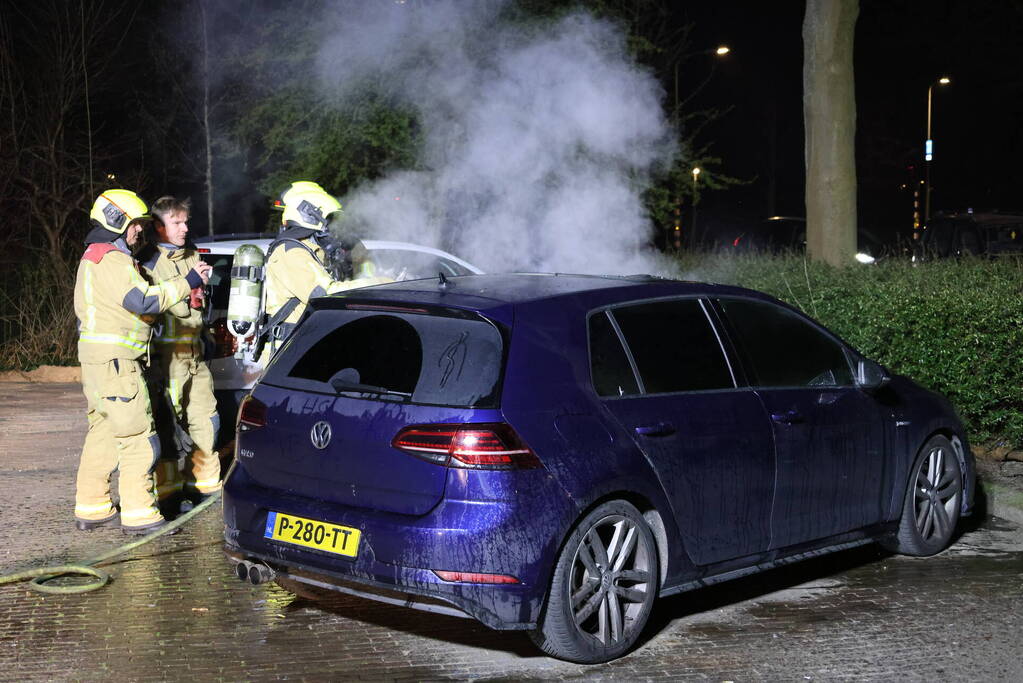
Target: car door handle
{"type": "Point", "coordinates": [659, 429]}
{"type": "Point", "coordinates": [788, 417]}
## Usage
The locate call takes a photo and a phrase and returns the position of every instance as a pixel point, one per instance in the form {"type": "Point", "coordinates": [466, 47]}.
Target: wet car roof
{"type": "Point", "coordinates": [489, 290]}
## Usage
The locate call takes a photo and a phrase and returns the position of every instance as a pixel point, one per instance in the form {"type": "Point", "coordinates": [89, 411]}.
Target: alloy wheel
{"type": "Point", "coordinates": [612, 575]}
{"type": "Point", "coordinates": [937, 494]}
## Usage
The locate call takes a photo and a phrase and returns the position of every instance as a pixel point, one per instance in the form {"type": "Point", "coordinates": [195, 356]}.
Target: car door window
{"type": "Point", "coordinates": [220, 279]}
{"type": "Point", "coordinates": [785, 349]}
{"type": "Point", "coordinates": [610, 368]}
{"type": "Point", "coordinates": [674, 346]}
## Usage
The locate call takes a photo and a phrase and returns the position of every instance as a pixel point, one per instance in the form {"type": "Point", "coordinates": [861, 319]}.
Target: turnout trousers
{"type": "Point", "coordinates": [189, 390]}
{"type": "Point", "coordinates": [120, 437]}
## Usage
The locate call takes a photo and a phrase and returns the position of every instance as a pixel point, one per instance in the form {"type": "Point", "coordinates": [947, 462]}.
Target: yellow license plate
{"type": "Point", "coordinates": [332, 538]}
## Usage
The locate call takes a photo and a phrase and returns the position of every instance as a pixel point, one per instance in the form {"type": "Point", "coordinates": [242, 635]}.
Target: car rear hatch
{"type": "Point", "coordinates": [348, 381]}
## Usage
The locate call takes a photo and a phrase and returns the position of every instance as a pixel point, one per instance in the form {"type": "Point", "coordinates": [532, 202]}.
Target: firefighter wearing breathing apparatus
{"type": "Point", "coordinates": [116, 308]}
{"type": "Point", "coordinates": [179, 364]}
{"type": "Point", "coordinates": [297, 261]}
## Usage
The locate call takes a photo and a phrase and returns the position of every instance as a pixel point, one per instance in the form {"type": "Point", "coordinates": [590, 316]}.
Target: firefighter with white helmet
{"type": "Point", "coordinates": [179, 365]}
{"type": "Point", "coordinates": [116, 308]}
{"type": "Point", "coordinates": [296, 269]}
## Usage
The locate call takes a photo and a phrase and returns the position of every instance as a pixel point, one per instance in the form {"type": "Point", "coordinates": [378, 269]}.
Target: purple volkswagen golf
{"type": "Point", "coordinates": [552, 452]}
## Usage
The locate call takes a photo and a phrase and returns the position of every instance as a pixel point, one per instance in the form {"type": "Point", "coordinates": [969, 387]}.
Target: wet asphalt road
{"type": "Point", "coordinates": [175, 610]}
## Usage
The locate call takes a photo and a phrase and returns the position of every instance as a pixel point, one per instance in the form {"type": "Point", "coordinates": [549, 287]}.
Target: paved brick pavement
{"type": "Point", "coordinates": [175, 611]}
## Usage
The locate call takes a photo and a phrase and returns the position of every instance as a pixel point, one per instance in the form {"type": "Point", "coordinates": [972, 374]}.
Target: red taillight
{"type": "Point", "coordinates": [475, 577]}
{"type": "Point", "coordinates": [225, 342]}
{"type": "Point", "coordinates": [203, 250]}
{"type": "Point", "coordinates": [470, 446]}
{"type": "Point", "coordinates": [251, 414]}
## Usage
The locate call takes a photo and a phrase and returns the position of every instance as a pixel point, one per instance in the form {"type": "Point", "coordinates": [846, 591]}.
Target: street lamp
{"type": "Point", "coordinates": [929, 150]}
{"type": "Point", "coordinates": [719, 51]}
{"type": "Point", "coordinates": [696, 178]}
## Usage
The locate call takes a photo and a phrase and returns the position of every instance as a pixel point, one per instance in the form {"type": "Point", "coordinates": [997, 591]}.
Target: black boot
{"type": "Point", "coordinates": [90, 524]}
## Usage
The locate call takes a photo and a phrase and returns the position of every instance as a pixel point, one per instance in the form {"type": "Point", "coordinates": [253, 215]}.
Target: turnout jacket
{"type": "Point", "coordinates": [179, 330]}
{"type": "Point", "coordinates": [296, 271]}
{"type": "Point", "coordinates": [116, 307]}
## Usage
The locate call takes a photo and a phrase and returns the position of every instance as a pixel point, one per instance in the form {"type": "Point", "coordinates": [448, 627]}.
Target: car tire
{"type": "Point", "coordinates": [932, 503]}
{"type": "Point", "coordinates": [603, 588]}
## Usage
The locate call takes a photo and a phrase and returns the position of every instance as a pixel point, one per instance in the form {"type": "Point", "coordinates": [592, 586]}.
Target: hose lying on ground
{"type": "Point", "coordinates": [87, 568]}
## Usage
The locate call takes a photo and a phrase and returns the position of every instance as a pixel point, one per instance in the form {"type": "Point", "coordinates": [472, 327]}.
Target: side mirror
{"type": "Point", "coordinates": [871, 376]}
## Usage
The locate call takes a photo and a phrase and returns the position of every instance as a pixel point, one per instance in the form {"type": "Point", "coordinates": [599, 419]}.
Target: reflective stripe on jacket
{"type": "Point", "coordinates": [180, 328]}
{"type": "Point", "coordinates": [116, 307]}
{"type": "Point", "coordinates": [293, 272]}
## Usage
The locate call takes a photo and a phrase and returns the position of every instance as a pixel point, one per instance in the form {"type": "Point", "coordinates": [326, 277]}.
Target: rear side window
{"type": "Point", "coordinates": [427, 359]}
{"type": "Point", "coordinates": [674, 346]}
{"type": "Point", "coordinates": [220, 279]}
{"type": "Point", "coordinates": [612, 373]}
{"type": "Point", "coordinates": [784, 349]}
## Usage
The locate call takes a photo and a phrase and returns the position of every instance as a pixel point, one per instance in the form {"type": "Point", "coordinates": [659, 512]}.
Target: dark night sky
{"type": "Point", "coordinates": [902, 46]}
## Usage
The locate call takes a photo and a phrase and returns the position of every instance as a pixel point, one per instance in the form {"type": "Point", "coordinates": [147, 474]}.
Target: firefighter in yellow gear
{"type": "Point", "coordinates": [297, 261]}
{"type": "Point", "coordinates": [179, 366]}
{"type": "Point", "coordinates": [116, 307]}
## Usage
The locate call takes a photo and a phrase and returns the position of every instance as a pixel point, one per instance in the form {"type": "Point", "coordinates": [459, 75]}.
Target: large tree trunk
{"type": "Point", "coordinates": [829, 112]}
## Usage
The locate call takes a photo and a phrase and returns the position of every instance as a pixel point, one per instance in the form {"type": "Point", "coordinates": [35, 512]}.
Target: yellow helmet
{"type": "Point", "coordinates": [115, 210]}
{"type": "Point", "coordinates": [308, 205]}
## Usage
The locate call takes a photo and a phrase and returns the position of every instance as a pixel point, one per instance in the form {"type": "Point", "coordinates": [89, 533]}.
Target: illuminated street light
{"type": "Point", "coordinates": [929, 150]}
{"type": "Point", "coordinates": [696, 178]}
{"type": "Point", "coordinates": [719, 51]}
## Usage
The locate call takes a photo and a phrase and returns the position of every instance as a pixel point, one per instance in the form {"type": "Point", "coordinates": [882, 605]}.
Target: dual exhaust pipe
{"type": "Point", "coordinates": [254, 572]}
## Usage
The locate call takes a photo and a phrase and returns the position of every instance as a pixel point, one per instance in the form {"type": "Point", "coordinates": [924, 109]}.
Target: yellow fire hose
{"type": "Point", "coordinates": [39, 577]}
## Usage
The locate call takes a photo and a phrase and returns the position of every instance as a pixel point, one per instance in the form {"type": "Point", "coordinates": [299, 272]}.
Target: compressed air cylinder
{"type": "Point", "coordinates": [246, 290]}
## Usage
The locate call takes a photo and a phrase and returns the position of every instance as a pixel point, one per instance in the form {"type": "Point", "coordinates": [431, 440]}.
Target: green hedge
{"type": "Point", "coordinates": [953, 326]}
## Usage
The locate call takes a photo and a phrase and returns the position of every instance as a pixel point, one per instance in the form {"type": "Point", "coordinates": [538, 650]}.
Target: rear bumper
{"type": "Point", "coordinates": [398, 553]}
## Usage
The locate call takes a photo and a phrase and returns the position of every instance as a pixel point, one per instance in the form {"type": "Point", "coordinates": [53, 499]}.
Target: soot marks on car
{"type": "Point", "coordinates": [580, 465]}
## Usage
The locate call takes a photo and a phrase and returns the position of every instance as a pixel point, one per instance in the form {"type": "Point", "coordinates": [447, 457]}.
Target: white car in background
{"type": "Point", "coordinates": [233, 377]}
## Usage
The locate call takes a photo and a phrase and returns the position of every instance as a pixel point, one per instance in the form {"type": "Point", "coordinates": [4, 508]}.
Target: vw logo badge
{"type": "Point", "coordinates": [320, 435]}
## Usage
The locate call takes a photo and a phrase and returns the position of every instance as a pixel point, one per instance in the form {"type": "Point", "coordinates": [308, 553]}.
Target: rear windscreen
{"type": "Point", "coordinates": [407, 357]}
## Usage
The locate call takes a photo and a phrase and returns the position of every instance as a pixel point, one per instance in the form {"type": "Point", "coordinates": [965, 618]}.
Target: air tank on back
{"type": "Point", "coordinates": [243, 306]}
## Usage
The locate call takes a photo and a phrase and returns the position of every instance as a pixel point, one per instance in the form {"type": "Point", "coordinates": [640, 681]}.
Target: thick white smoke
{"type": "Point", "coordinates": [538, 138]}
